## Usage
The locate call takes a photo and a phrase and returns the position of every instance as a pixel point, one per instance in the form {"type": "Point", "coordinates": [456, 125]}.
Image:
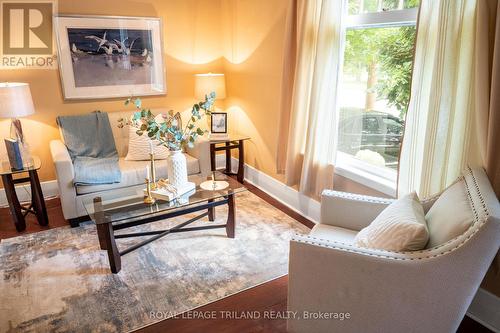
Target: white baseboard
{"type": "Point", "coordinates": [49, 189]}
{"type": "Point", "coordinates": [287, 195]}
{"type": "Point", "coordinates": [485, 309]}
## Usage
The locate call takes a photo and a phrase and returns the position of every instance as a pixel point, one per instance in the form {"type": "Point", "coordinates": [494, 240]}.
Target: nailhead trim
{"type": "Point", "coordinates": [471, 202]}
{"type": "Point", "coordinates": [357, 197]}
{"type": "Point", "coordinates": [479, 194]}
{"type": "Point", "coordinates": [477, 225]}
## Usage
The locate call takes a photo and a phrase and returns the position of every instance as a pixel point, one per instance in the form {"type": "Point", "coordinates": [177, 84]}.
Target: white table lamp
{"type": "Point", "coordinates": [206, 83]}
{"type": "Point", "coordinates": [15, 102]}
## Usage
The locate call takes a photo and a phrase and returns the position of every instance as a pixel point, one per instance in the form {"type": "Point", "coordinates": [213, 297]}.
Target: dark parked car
{"type": "Point", "coordinates": [376, 131]}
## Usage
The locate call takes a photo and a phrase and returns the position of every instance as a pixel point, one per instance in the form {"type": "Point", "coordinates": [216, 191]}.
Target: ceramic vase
{"type": "Point", "coordinates": [177, 169]}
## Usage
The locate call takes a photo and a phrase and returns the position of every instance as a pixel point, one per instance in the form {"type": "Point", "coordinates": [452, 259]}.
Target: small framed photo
{"type": "Point", "coordinates": [219, 122]}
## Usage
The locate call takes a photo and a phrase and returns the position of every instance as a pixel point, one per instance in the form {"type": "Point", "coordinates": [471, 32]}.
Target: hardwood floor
{"type": "Point", "coordinates": [265, 298]}
{"type": "Point", "coordinates": [56, 219]}
{"type": "Point", "coordinates": [269, 298]}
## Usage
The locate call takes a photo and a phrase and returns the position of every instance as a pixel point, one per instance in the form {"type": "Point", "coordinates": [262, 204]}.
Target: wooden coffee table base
{"type": "Point", "coordinates": [106, 229]}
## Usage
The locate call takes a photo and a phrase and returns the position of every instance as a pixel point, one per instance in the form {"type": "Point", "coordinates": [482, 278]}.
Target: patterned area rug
{"type": "Point", "coordinates": [59, 281]}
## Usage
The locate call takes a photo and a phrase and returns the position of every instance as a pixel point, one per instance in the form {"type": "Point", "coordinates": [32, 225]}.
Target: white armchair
{"type": "Point", "coordinates": [382, 291]}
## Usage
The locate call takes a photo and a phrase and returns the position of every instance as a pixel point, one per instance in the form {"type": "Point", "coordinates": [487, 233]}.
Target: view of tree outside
{"type": "Point", "coordinates": [384, 56]}
{"type": "Point", "coordinates": [375, 86]}
{"type": "Point", "coordinates": [370, 6]}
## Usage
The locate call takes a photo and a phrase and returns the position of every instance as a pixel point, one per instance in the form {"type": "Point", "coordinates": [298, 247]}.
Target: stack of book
{"type": "Point", "coordinates": [14, 154]}
{"type": "Point", "coordinates": [164, 193]}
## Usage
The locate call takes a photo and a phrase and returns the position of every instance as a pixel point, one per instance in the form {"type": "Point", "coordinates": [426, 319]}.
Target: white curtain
{"type": "Point", "coordinates": [487, 99]}
{"type": "Point", "coordinates": [440, 139]}
{"type": "Point", "coordinates": [311, 117]}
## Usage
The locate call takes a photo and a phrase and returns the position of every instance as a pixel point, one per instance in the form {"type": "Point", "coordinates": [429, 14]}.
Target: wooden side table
{"type": "Point", "coordinates": [232, 142]}
{"type": "Point", "coordinates": [37, 206]}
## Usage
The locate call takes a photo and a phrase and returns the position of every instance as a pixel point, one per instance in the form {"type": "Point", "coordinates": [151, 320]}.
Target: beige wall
{"type": "Point", "coordinates": [243, 38]}
{"type": "Point", "coordinates": [192, 40]}
{"type": "Point", "coordinates": [254, 33]}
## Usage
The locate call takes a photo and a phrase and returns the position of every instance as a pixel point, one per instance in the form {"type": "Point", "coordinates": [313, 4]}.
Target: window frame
{"type": "Point", "coordinates": [390, 18]}
{"type": "Point", "coordinates": [382, 179]}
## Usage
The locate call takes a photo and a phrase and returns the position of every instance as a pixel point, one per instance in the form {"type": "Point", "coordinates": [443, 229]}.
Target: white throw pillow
{"type": "Point", "coordinates": [139, 148]}
{"type": "Point", "coordinates": [450, 216]}
{"type": "Point", "coordinates": [399, 227]}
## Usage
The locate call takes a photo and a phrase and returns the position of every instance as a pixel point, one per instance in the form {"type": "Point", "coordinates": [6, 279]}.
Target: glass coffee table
{"type": "Point", "coordinates": [125, 208]}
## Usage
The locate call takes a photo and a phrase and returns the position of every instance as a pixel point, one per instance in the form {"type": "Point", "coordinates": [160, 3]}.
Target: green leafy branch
{"type": "Point", "coordinates": [168, 131]}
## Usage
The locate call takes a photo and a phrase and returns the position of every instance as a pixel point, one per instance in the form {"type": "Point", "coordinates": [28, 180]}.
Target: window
{"type": "Point", "coordinates": [375, 86]}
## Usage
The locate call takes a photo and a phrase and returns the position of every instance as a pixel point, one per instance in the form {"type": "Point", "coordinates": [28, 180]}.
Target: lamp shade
{"type": "Point", "coordinates": [206, 83]}
{"type": "Point", "coordinates": [15, 100]}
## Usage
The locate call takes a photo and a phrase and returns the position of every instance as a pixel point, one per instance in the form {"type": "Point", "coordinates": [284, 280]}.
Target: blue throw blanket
{"type": "Point", "coordinates": [91, 145]}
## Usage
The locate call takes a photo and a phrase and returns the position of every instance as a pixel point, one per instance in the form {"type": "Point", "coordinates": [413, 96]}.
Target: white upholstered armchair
{"type": "Point", "coordinates": [382, 291]}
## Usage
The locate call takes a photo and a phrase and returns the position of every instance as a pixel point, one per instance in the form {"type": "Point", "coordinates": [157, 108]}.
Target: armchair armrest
{"type": "Point", "coordinates": [393, 287]}
{"type": "Point", "coordinates": [65, 174]}
{"type": "Point", "coordinates": [332, 277]}
{"type": "Point", "coordinates": [351, 211]}
{"type": "Point", "coordinates": [201, 151]}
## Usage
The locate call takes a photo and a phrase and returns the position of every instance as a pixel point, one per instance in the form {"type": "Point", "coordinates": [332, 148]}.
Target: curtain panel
{"type": "Point", "coordinates": [307, 136]}
{"type": "Point", "coordinates": [453, 118]}
{"type": "Point", "coordinates": [287, 83]}
{"type": "Point", "coordinates": [487, 88]}
{"type": "Point", "coordinates": [487, 106]}
{"type": "Point", "coordinates": [439, 139]}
